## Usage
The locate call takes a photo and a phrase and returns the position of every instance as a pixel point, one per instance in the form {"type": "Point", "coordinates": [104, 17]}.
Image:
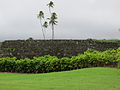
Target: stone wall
{"type": "Point", "coordinates": [59, 48]}
{"type": "Point", "coordinates": [0, 49]}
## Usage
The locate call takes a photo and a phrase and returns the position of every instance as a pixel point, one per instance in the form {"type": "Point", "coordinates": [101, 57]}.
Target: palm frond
{"type": "Point", "coordinates": [51, 4]}
{"type": "Point", "coordinates": [41, 14]}
{"type": "Point", "coordinates": [45, 25]}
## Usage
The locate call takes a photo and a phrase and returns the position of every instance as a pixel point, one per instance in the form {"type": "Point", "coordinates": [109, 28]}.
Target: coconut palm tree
{"type": "Point", "coordinates": [41, 16]}
{"type": "Point", "coordinates": [50, 5]}
{"type": "Point", "coordinates": [52, 22]}
{"type": "Point", "coordinates": [45, 25]}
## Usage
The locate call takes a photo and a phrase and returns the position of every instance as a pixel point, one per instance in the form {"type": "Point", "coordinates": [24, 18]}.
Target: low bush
{"type": "Point", "coordinates": [90, 58]}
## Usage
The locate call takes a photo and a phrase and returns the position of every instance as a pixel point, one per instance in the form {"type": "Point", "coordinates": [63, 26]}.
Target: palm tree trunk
{"type": "Point", "coordinates": [50, 11]}
{"type": "Point", "coordinates": [52, 31]}
{"type": "Point", "coordinates": [42, 29]}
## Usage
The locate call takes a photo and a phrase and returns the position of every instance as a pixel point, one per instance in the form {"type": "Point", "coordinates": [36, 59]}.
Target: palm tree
{"type": "Point", "coordinates": [45, 25]}
{"type": "Point", "coordinates": [50, 5]}
{"type": "Point", "coordinates": [41, 16]}
{"type": "Point", "coordinates": [53, 22]}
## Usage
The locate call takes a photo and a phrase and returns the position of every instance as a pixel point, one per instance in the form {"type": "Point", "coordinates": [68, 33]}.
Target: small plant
{"type": "Point", "coordinates": [11, 49]}
{"type": "Point", "coordinates": [30, 38]}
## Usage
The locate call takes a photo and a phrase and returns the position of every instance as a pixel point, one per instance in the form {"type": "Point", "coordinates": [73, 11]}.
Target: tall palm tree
{"type": "Point", "coordinates": [41, 16]}
{"type": "Point", "coordinates": [50, 5]}
{"type": "Point", "coordinates": [52, 22]}
{"type": "Point", "coordinates": [45, 25]}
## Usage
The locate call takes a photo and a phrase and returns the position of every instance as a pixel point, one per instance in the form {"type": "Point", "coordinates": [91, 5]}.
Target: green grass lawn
{"type": "Point", "coordinates": [83, 79]}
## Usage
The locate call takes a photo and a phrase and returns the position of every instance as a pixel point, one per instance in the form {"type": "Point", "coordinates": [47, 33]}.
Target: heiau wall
{"type": "Point", "coordinates": [59, 48]}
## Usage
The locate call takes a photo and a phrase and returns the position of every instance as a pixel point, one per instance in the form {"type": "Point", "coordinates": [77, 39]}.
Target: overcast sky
{"type": "Point", "coordinates": [78, 19]}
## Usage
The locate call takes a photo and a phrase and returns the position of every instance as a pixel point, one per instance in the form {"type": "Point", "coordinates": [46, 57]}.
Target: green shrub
{"type": "Point", "coordinates": [90, 58]}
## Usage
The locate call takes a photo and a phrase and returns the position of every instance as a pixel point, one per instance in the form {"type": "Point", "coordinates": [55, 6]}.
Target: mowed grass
{"type": "Point", "coordinates": [83, 79]}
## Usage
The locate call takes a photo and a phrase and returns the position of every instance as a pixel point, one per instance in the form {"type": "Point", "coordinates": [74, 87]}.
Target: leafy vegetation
{"type": "Point", "coordinates": [29, 39]}
{"type": "Point", "coordinates": [111, 41]}
{"type": "Point", "coordinates": [90, 58]}
{"type": "Point", "coordinates": [83, 79]}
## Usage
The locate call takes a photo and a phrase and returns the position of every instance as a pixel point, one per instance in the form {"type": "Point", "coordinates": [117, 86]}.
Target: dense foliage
{"type": "Point", "coordinates": [90, 58]}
